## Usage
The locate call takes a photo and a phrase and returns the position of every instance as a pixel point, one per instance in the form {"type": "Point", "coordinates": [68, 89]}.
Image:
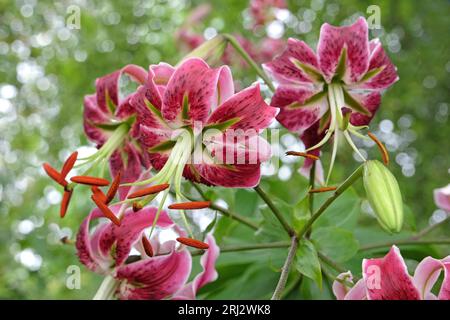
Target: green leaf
{"type": "Point", "coordinates": [301, 214]}
{"type": "Point", "coordinates": [271, 229]}
{"type": "Point", "coordinates": [246, 202]}
{"type": "Point", "coordinates": [211, 224]}
{"type": "Point", "coordinates": [343, 212]}
{"type": "Point", "coordinates": [340, 69]}
{"type": "Point", "coordinates": [308, 262]}
{"type": "Point", "coordinates": [336, 243]}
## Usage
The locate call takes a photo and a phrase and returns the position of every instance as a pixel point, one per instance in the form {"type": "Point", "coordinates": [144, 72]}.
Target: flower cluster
{"type": "Point", "coordinates": [183, 121]}
{"type": "Point", "coordinates": [388, 279]}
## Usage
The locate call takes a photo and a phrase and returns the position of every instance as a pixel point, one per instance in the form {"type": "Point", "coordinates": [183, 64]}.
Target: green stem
{"type": "Point", "coordinates": [336, 266]}
{"type": "Point", "coordinates": [107, 289]}
{"type": "Point", "coordinates": [428, 229]}
{"type": "Point", "coordinates": [235, 44]}
{"type": "Point", "coordinates": [277, 294]}
{"type": "Point", "coordinates": [344, 186]}
{"type": "Point", "coordinates": [250, 247]}
{"type": "Point", "coordinates": [227, 213]}
{"type": "Point", "coordinates": [404, 243]}
{"type": "Point", "coordinates": [295, 284]}
{"type": "Point", "coordinates": [275, 210]}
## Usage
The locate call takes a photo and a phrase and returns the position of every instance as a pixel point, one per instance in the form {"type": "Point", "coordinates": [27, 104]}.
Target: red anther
{"type": "Point", "coordinates": [302, 154]}
{"type": "Point", "coordinates": [190, 205]}
{"type": "Point", "coordinates": [113, 188]}
{"type": "Point", "coordinates": [137, 206]}
{"type": "Point", "coordinates": [147, 246]}
{"type": "Point", "coordinates": [91, 181]}
{"type": "Point", "coordinates": [149, 190]}
{"type": "Point", "coordinates": [68, 164]}
{"type": "Point", "coordinates": [106, 211]}
{"type": "Point", "coordinates": [323, 189]}
{"type": "Point", "coordinates": [65, 202]}
{"type": "Point", "coordinates": [66, 240]}
{"type": "Point", "coordinates": [54, 174]}
{"type": "Point", "coordinates": [99, 193]}
{"type": "Point", "coordinates": [193, 243]}
{"type": "Point", "coordinates": [384, 152]}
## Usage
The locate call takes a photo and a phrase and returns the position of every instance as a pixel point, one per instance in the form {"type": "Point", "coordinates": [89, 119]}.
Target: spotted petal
{"type": "Point", "coordinates": [209, 273]}
{"type": "Point", "coordinates": [351, 39]}
{"type": "Point", "coordinates": [154, 278]}
{"type": "Point", "coordinates": [286, 68]}
{"type": "Point", "coordinates": [388, 279]}
{"type": "Point", "coordinates": [371, 102]}
{"type": "Point", "coordinates": [300, 108]}
{"type": "Point", "coordinates": [192, 92]}
{"type": "Point", "coordinates": [245, 110]}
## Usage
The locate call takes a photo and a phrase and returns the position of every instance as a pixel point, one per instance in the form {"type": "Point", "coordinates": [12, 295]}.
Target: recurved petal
{"type": "Point", "coordinates": [331, 44]}
{"type": "Point", "coordinates": [371, 102]}
{"type": "Point", "coordinates": [427, 273]}
{"type": "Point", "coordinates": [193, 87]}
{"type": "Point", "coordinates": [209, 273]}
{"type": "Point", "coordinates": [132, 226]}
{"type": "Point", "coordinates": [298, 111]}
{"type": "Point", "coordinates": [89, 249]}
{"type": "Point", "coordinates": [154, 278]}
{"type": "Point", "coordinates": [387, 278]}
{"type": "Point", "coordinates": [246, 110]}
{"type": "Point", "coordinates": [127, 161]}
{"type": "Point", "coordinates": [442, 198]}
{"type": "Point", "coordinates": [232, 176]}
{"type": "Point", "coordinates": [283, 69]}
{"type": "Point", "coordinates": [385, 73]}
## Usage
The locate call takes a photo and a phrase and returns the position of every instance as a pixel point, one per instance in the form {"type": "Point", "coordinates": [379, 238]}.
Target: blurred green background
{"type": "Point", "coordinates": [46, 69]}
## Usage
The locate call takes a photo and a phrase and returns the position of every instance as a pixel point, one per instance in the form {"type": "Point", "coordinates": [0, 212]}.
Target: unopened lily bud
{"type": "Point", "coordinates": [384, 195]}
{"type": "Point", "coordinates": [211, 50]}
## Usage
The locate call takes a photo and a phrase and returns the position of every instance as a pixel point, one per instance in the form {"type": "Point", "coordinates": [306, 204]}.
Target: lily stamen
{"type": "Point", "coordinates": [54, 174]}
{"type": "Point", "coordinates": [68, 164]}
{"type": "Point", "coordinates": [383, 150]}
{"type": "Point", "coordinates": [148, 191]}
{"type": "Point", "coordinates": [65, 202]}
{"type": "Point", "coordinates": [99, 194]}
{"type": "Point", "coordinates": [302, 154]}
{"type": "Point", "coordinates": [91, 181]}
{"type": "Point", "coordinates": [147, 246]}
{"type": "Point", "coordinates": [190, 205]}
{"type": "Point", "coordinates": [323, 189]}
{"type": "Point", "coordinates": [137, 206]}
{"type": "Point", "coordinates": [193, 243]}
{"type": "Point", "coordinates": [113, 188]}
{"type": "Point", "coordinates": [105, 210]}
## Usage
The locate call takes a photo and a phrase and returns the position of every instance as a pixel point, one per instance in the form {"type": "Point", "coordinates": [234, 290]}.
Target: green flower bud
{"type": "Point", "coordinates": [384, 195]}
{"type": "Point", "coordinates": [210, 50]}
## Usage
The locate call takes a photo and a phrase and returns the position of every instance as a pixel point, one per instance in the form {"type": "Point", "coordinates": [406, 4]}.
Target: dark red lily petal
{"type": "Point", "coordinates": [148, 191]}
{"type": "Point", "coordinates": [113, 188]}
{"type": "Point", "coordinates": [54, 174]}
{"type": "Point", "coordinates": [105, 210]}
{"type": "Point", "coordinates": [190, 205]}
{"type": "Point", "coordinates": [91, 181]}
{"type": "Point", "coordinates": [68, 164]}
{"type": "Point", "coordinates": [193, 243]}
{"type": "Point", "coordinates": [65, 202]}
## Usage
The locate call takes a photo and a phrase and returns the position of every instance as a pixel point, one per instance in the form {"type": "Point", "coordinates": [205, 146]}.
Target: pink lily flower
{"type": "Point", "coordinates": [160, 276]}
{"type": "Point", "coordinates": [109, 121]}
{"type": "Point", "coordinates": [262, 10]}
{"type": "Point", "coordinates": [387, 278]}
{"type": "Point", "coordinates": [191, 95]}
{"type": "Point", "coordinates": [442, 198]}
{"type": "Point", "coordinates": [338, 87]}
